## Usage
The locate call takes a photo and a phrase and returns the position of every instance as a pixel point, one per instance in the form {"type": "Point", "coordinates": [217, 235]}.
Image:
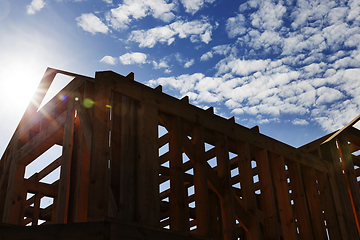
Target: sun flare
{"type": "Point", "coordinates": [18, 86]}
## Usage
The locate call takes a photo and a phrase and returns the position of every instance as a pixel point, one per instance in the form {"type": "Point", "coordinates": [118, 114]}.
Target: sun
{"type": "Point", "coordinates": [18, 82]}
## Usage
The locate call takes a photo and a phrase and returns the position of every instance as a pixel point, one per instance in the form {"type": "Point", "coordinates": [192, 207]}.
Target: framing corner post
{"type": "Point", "coordinates": [147, 165]}
{"type": "Point", "coordinates": [15, 195]}
{"type": "Point", "coordinates": [350, 176]}
{"type": "Point", "coordinates": [100, 152]}
{"type": "Point", "coordinates": [178, 219]}
{"type": "Point", "coordinates": [226, 198]}
{"type": "Point", "coordinates": [202, 201]}
{"type": "Point", "coordinates": [345, 216]}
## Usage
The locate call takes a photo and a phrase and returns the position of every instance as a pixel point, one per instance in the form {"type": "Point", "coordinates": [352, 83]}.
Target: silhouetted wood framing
{"type": "Point", "coordinates": [137, 163]}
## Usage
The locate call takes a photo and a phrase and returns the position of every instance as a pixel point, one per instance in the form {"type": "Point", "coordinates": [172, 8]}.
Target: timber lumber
{"type": "Point", "coordinates": [136, 163]}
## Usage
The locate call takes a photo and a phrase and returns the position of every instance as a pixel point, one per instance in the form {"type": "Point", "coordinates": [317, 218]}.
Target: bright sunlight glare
{"type": "Point", "coordinates": [18, 85]}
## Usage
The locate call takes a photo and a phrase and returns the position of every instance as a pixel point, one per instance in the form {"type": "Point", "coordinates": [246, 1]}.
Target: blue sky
{"type": "Point", "coordinates": [291, 67]}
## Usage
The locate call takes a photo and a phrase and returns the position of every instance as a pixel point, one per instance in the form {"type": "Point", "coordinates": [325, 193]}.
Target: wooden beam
{"type": "Point", "coordinates": [100, 151]}
{"type": "Point", "coordinates": [47, 170]}
{"type": "Point", "coordinates": [36, 212]}
{"type": "Point", "coordinates": [344, 213]}
{"type": "Point", "coordinates": [83, 183]}
{"type": "Point", "coordinates": [301, 209]}
{"type": "Point", "coordinates": [339, 132]}
{"type": "Point", "coordinates": [315, 209]}
{"type": "Point", "coordinates": [200, 183]}
{"type": "Point", "coordinates": [115, 152]}
{"type": "Point", "coordinates": [175, 107]}
{"type": "Point", "coordinates": [327, 204]}
{"type": "Point", "coordinates": [64, 183]}
{"type": "Point", "coordinates": [15, 195]}
{"type": "Point", "coordinates": [178, 219]}
{"type": "Point", "coordinates": [271, 226]}
{"type": "Point", "coordinates": [348, 166]}
{"type": "Point", "coordinates": [226, 198]}
{"type": "Point", "coordinates": [248, 191]}
{"type": "Point", "coordinates": [86, 126]}
{"type": "Point", "coordinates": [42, 142]}
{"type": "Point", "coordinates": [277, 166]}
{"type": "Point", "coordinates": [128, 159]}
{"type": "Point", "coordinates": [148, 199]}
{"type": "Point", "coordinates": [45, 189]}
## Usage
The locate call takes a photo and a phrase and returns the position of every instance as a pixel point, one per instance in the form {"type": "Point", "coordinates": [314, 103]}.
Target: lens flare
{"type": "Point", "coordinates": [88, 103]}
{"type": "Point", "coordinates": [63, 98]}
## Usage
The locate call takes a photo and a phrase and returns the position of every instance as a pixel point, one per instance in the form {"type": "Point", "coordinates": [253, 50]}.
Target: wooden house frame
{"type": "Point", "coordinates": [137, 163]}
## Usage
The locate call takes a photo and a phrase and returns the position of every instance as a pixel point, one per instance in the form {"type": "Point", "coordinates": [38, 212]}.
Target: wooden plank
{"type": "Point", "coordinates": [340, 131]}
{"type": "Point", "coordinates": [54, 210]}
{"type": "Point", "coordinates": [301, 209]}
{"type": "Point", "coordinates": [86, 126]}
{"type": "Point", "coordinates": [83, 183]}
{"type": "Point", "coordinates": [328, 206]}
{"type": "Point", "coordinates": [312, 195]}
{"type": "Point", "coordinates": [42, 142]}
{"type": "Point", "coordinates": [200, 183]}
{"type": "Point", "coordinates": [346, 219]}
{"type": "Point", "coordinates": [115, 150]}
{"type": "Point", "coordinates": [47, 170]}
{"type": "Point", "coordinates": [277, 166]}
{"type": "Point", "coordinates": [36, 212]}
{"type": "Point", "coordinates": [45, 189]}
{"type": "Point", "coordinates": [148, 199]}
{"type": "Point", "coordinates": [89, 98]}
{"type": "Point", "coordinates": [178, 219]}
{"type": "Point", "coordinates": [194, 114]}
{"type": "Point", "coordinates": [215, 215]}
{"type": "Point", "coordinates": [7, 157]}
{"type": "Point", "coordinates": [353, 136]}
{"type": "Point", "coordinates": [271, 227]}
{"type": "Point", "coordinates": [314, 145]}
{"type": "Point", "coordinates": [350, 177]}
{"type": "Point", "coordinates": [163, 140]}
{"type": "Point", "coordinates": [65, 172]}
{"type": "Point", "coordinates": [247, 189]}
{"type": "Point", "coordinates": [128, 160]}
{"type": "Point", "coordinates": [15, 195]}
{"type": "Point", "coordinates": [75, 171]}
{"type": "Point", "coordinates": [100, 151]}
{"type": "Point", "coordinates": [226, 198]}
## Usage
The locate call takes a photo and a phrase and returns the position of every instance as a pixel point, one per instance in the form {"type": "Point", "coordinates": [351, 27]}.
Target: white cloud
{"type": "Point", "coordinates": [189, 63]}
{"type": "Point", "coordinates": [35, 6]}
{"type": "Point", "coordinates": [108, 1]}
{"type": "Point", "coordinates": [241, 67]}
{"type": "Point", "coordinates": [298, 121]}
{"type": "Point", "coordinates": [192, 6]}
{"type": "Point", "coordinates": [236, 26]}
{"type": "Point", "coordinates": [206, 56]}
{"type": "Point", "coordinates": [130, 10]}
{"type": "Point", "coordinates": [306, 11]}
{"type": "Point", "coordinates": [328, 95]}
{"type": "Point", "coordinates": [91, 23]}
{"type": "Point", "coordinates": [109, 60]}
{"type": "Point", "coordinates": [161, 64]}
{"type": "Point", "coordinates": [269, 16]}
{"type": "Point", "coordinates": [133, 58]}
{"type": "Point", "coordinates": [196, 30]}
